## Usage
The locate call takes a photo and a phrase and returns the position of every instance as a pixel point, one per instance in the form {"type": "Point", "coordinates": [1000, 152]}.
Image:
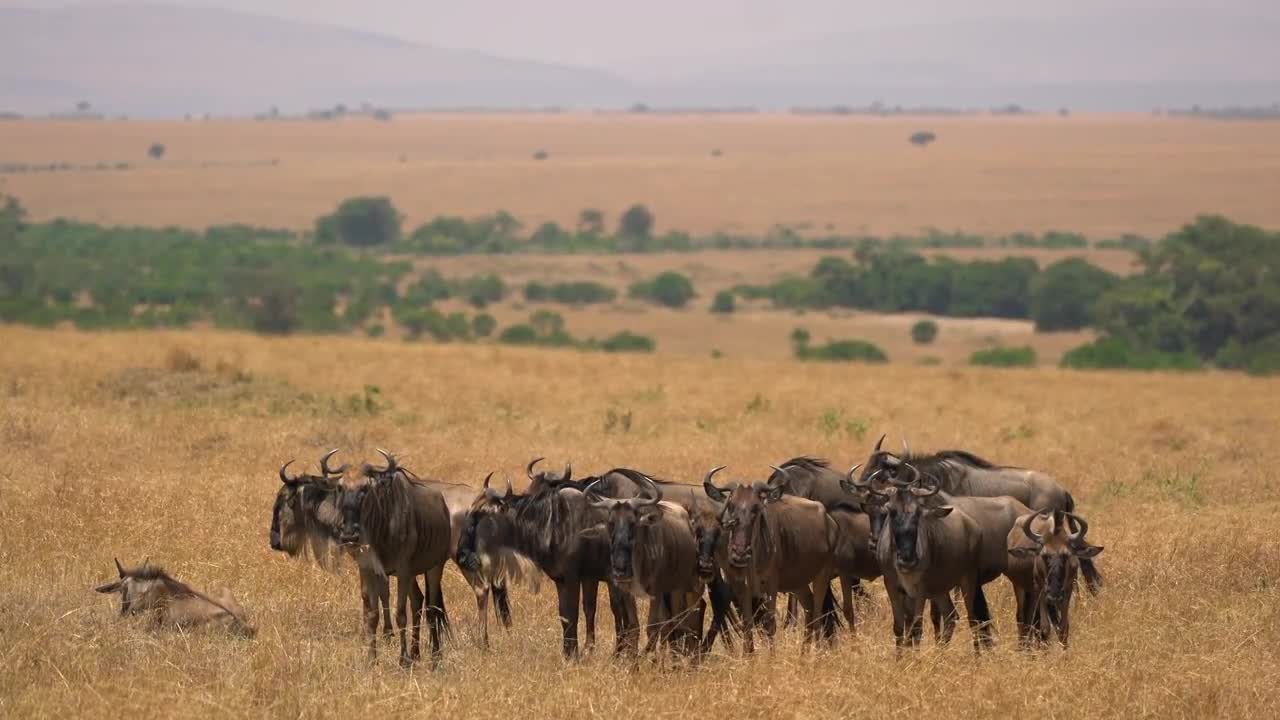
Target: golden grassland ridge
{"type": "Point", "coordinates": [166, 445]}
{"type": "Point", "coordinates": [1101, 175]}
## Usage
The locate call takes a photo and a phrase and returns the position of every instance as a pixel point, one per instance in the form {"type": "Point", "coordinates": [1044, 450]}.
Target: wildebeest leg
{"type": "Point", "coordinates": [502, 602]}
{"type": "Point", "coordinates": [1023, 617]}
{"type": "Point", "coordinates": [848, 585]}
{"type": "Point", "coordinates": [437, 616]}
{"type": "Point", "coordinates": [793, 611]}
{"type": "Point", "coordinates": [946, 615]}
{"type": "Point", "coordinates": [404, 582]}
{"type": "Point", "coordinates": [481, 590]}
{"type": "Point", "coordinates": [653, 625]}
{"type": "Point", "coordinates": [721, 596]}
{"type": "Point", "coordinates": [915, 618]}
{"type": "Point", "coordinates": [750, 608]}
{"type": "Point", "coordinates": [812, 610]}
{"type": "Point", "coordinates": [416, 607]}
{"type": "Point", "coordinates": [569, 591]}
{"type": "Point", "coordinates": [590, 596]}
{"type": "Point", "coordinates": [625, 622]}
{"type": "Point", "coordinates": [975, 603]}
{"type": "Point", "coordinates": [769, 612]}
{"type": "Point", "coordinates": [369, 595]}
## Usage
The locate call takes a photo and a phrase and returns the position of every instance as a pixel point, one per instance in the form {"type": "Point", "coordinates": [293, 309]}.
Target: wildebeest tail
{"type": "Point", "coordinates": [1092, 577]}
{"type": "Point", "coordinates": [723, 617]}
{"type": "Point", "coordinates": [830, 617]}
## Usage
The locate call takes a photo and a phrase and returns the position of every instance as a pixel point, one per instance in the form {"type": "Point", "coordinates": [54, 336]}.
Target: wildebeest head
{"type": "Point", "coordinates": [547, 479]}
{"type": "Point", "coordinates": [884, 463]}
{"type": "Point", "coordinates": [743, 514]}
{"type": "Point", "coordinates": [1057, 553]}
{"type": "Point", "coordinates": [908, 511]}
{"type": "Point", "coordinates": [704, 521]}
{"type": "Point", "coordinates": [626, 517]}
{"type": "Point", "coordinates": [874, 502]}
{"type": "Point", "coordinates": [354, 495]}
{"type": "Point", "coordinates": [297, 501]}
{"type": "Point", "coordinates": [149, 589]}
{"type": "Point", "coordinates": [484, 525]}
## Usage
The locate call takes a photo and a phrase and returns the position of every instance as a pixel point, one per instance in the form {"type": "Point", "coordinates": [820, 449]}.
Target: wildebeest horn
{"type": "Point", "coordinates": [707, 480]}
{"type": "Point", "coordinates": [652, 489]}
{"type": "Point", "coordinates": [392, 465]}
{"type": "Point", "coordinates": [510, 490]}
{"type": "Point", "coordinates": [879, 443]}
{"type": "Point", "coordinates": [919, 491]}
{"type": "Point", "coordinates": [568, 472]}
{"type": "Point", "coordinates": [529, 469]}
{"type": "Point", "coordinates": [906, 449]}
{"type": "Point", "coordinates": [1078, 535]}
{"type": "Point", "coordinates": [915, 476]}
{"type": "Point", "coordinates": [119, 567]}
{"type": "Point", "coordinates": [487, 478]}
{"type": "Point", "coordinates": [284, 476]}
{"type": "Point", "coordinates": [1026, 529]}
{"type": "Point", "coordinates": [324, 464]}
{"type": "Point", "coordinates": [780, 473]}
{"type": "Point", "coordinates": [594, 498]}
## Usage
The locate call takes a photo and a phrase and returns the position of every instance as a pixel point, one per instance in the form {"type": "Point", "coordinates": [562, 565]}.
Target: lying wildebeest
{"type": "Point", "coordinates": [170, 603]}
{"type": "Point", "coordinates": [963, 474]}
{"type": "Point", "coordinates": [552, 525]}
{"type": "Point", "coordinates": [652, 555]}
{"type": "Point", "coordinates": [926, 550]}
{"type": "Point", "coordinates": [395, 525]}
{"type": "Point", "coordinates": [774, 543]}
{"type": "Point", "coordinates": [1044, 553]}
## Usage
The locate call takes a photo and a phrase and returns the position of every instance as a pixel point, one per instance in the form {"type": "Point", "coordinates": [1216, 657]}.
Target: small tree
{"type": "Point", "coordinates": [483, 324]}
{"type": "Point", "coordinates": [800, 337]}
{"type": "Point", "coordinates": [156, 151]}
{"type": "Point", "coordinates": [669, 288]}
{"type": "Point", "coordinates": [362, 222]}
{"type": "Point", "coordinates": [723, 303]}
{"type": "Point", "coordinates": [636, 223]}
{"type": "Point", "coordinates": [922, 138]}
{"type": "Point", "coordinates": [591, 222]}
{"type": "Point", "coordinates": [924, 332]}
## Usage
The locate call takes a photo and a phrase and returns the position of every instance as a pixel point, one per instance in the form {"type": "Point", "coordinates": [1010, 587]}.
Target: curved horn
{"type": "Point", "coordinates": [1078, 536]}
{"type": "Point", "coordinates": [906, 449]}
{"type": "Point", "coordinates": [487, 478]}
{"type": "Point", "coordinates": [1026, 529]}
{"type": "Point", "coordinates": [915, 476]}
{"type": "Point", "coordinates": [707, 480]}
{"type": "Point", "coordinates": [919, 491]}
{"type": "Point", "coordinates": [510, 490]}
{"type": "Point", "coordinates": [568, 472]}
{"type": "Point", "coordinates": [324, 464]}
{"type": "Point", "coordinates": [392, 465]}
{"type": "Point", "coordinates": [529, 469]}
{"type": "Point", "coordinates": [284, 476]}
{"type": "Point", "coordinates": [879, 443]}
{"type": "Point", "coordinates": [652, 489]}
{"type": "Point", "coordinates": [594, 498]}
{"type": "Point", "coordinates": [119, 567]}
{"type": "Point", "coordinates": [780, 473]}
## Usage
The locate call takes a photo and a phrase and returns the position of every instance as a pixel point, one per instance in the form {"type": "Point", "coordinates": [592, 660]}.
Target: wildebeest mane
{"type": "Point", "coordinates": [546, 523]}
{"type": "Point", "coordinates": [806, 462]}
{"type": "Point", "coordinates": [389, 513]}
{"type": "Point", "coordinates": [946, 465]}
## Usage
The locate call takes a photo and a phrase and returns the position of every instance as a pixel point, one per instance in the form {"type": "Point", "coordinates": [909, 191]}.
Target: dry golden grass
{"type": "Point", "coordinates": [115, 446]}
{"type": "Point", "coordinates": [1100, 175]}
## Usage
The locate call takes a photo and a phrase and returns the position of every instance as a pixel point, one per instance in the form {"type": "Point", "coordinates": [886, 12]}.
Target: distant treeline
{"type": "Point", "coordinates": [1208, 293]}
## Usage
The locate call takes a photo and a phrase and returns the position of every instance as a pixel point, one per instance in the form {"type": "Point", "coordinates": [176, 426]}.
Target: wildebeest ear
{"type": "Point", "coordinates": [1088, 551]}
{"type": "Point", "coordinates": [599, 528]}
{"type": "Point", "coordinates": [1024, 552]}
{"type": "Point", "coordinates": [940, 512]}
{"type": "Point", "coordinates": [110, 587]}
{"type": "Point", "coordinates": [650, 515]}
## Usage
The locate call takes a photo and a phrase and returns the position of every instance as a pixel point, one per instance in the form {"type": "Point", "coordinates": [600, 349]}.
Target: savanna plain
{"type": "Point", "coordinates": [166, 445]}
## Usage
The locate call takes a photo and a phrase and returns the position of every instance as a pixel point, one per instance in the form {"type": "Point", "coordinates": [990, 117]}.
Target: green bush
{"type": "Point", "coordinates": [518, 335]}
{"type": "Point", "coordinates": [670, 289]}
{"type": "Point", "coordinates": [1112, 353]}
{"type": "Point", "coordinates": [537, 292]}
{"type": "Point", "coordinates": [627, 341]}
{"type": "Point", "coordinates": [481, 290]}
{"type": "Point", "coordinates": [842, 351]}
{"type": "Point", "coordinates": [636, 223]}
{"type": "Point", "coordinates": [1064, 295]}
{"type": "Point", "coordinates": [723, 303]}
{"type": "Point", "coordinates": [483, 325]}
{"type": "Point", "coordinates": [924, 332]}
{"type": "Point", "coordinates": [1024, 356]}
{"type": "Point", "coordinates": [361, 222]}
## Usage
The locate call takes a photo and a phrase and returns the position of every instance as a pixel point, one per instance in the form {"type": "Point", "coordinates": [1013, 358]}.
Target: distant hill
{"type": "Point", "coordinates": [163, 60]}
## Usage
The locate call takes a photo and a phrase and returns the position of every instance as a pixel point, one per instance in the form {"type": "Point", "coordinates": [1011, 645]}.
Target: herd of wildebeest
{"type": "Point", "coordinates": [928, 525]}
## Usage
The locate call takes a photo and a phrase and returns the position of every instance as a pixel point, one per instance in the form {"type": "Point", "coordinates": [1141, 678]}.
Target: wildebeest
{"type": "Point", "coordinates": [170, 603]}
{"type": "Point", "coordinates": [553, 525]}
{"type": "Point", "coordinates": [963, 474]}
{"type": "Point", "coordinates": [1044, 552]}
{"type": "Point", "coordinates": [395, 525]}
{"type": "Point", "coordinates": [652, 555]}
{"type": "Point", "coordinates": [774, 543]}
{"type": "Point", "coordinates": [305, 515]}
{"type": "Point", "coordinates": [926, 550]}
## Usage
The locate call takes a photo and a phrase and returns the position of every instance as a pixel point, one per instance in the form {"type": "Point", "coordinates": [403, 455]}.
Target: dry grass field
{"type": "Point", "coordinates": [109, 451]}
{"type": "Point", "coordinates": [1100, 175]}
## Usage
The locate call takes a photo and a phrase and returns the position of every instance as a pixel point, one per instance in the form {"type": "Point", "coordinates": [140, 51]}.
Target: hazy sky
{"type": "Point", "coordinates": [602, 32]}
